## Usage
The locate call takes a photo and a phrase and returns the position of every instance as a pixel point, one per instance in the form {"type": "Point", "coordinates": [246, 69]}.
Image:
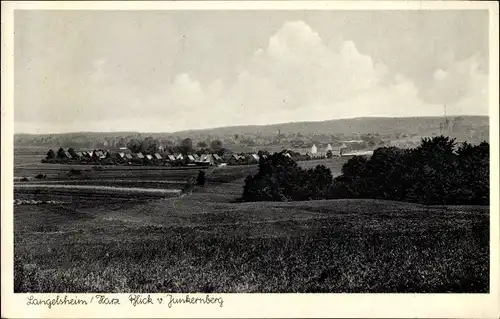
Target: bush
{"type": "Point", "coordinates": [280, 179]}
{"type": "Point", "coordinates": [188, 187]}
{"type": "Point", "coordinates": [50, 154]}
{"type": "Point", "coordinates": [433, 173]}
{"type": "Point", "coordinates": [200, 179]}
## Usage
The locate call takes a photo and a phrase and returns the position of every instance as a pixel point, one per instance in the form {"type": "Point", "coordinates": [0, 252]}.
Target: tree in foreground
{"type": "Point", "coordinates": [434, 173]}
{"type": "Point", "coordinates": [280, 179]}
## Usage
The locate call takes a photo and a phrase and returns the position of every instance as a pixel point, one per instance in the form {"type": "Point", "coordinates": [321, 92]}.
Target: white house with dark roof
{"type": "Point", "coordinates": [206, 159]}
{"type": "Point", "coordinates": [314, 149]}
{"type": "Point", "coordinates": [217, 158]}
{"type": "Point", "coordinates": [253, 158]}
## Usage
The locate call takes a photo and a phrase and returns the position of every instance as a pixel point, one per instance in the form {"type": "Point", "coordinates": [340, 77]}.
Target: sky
{"type": "Point", "coordinates": [165, 71]}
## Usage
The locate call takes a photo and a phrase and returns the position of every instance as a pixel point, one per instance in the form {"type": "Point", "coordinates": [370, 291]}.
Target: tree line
{"type": "Point", "coordinates": [151, 146]}
{"type": "Point", "coordinates": [437, 172]}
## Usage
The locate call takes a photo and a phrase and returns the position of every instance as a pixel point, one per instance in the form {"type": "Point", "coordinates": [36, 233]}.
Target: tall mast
{"type": "Point", "coordinates": [445, 116]}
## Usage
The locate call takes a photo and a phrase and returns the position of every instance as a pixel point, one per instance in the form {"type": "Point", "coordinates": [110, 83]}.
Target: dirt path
{"type": "Point", "coordinates": [109, 180]}
{"type": "Point", "coordinates": [102, 188]}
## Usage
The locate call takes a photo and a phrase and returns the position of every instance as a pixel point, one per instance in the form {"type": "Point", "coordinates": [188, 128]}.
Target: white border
{"type": "Point", "coordinates": [257, 305]}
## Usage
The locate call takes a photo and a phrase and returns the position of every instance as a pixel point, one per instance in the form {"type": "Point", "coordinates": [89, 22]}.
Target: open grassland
{"type": "Point", "coordinates": [72, 182]}
{"type": "Point", "coordinates": [195, 244]}
{"type": "Point", "coordinates": [100, 241]}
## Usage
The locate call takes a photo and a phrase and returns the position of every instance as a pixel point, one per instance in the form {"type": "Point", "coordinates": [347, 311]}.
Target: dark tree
{"type": "Point", "coordinates": [216, 145]}
{"type": "Point", "coordinates": [60, 153]}
{"type": "Point", "coordinates": [280, 179]}
{"type": "Point", "coordinates": [134, 145]}
{"type": "Point", "coordinates": [432, 173]}
{"type": "Point", "coordinates": [186, 146]}
{"type": "Point", "coordinates": [200, 179]}
{"type": "Point", "coordinates": [51, 154]}
{"type": "Point", "coordinates": [149, 145]}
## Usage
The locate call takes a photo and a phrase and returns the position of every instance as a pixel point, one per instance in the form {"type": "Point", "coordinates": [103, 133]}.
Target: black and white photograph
{"type": "Point", "coordinates": [251, 151]}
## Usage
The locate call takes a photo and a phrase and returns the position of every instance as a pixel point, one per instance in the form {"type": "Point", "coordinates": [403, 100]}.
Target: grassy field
{"type": "Point", "coordinates": [207, 242]}
{"type": "Point", "coordinates": [195, 245]}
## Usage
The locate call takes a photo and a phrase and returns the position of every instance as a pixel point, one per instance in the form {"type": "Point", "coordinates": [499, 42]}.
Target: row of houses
{"type": "Point", "coordinates": [104, 156]}
{"type": "Point", "coordinates": [204, 159]}
{"type": "Point", "coordinates": [126, 157]}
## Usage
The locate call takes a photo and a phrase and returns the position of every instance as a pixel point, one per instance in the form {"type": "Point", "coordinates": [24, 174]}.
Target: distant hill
{"type": "Point", "coordinates": [470, 128]}
{"type": "Point", "coordinates": [381, 125]}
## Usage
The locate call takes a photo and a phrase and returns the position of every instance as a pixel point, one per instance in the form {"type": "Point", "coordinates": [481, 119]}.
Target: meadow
{"type": "Point", "coordinates": [206, 241]}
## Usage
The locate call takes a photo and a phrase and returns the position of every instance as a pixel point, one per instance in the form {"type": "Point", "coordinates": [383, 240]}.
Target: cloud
{"type": "Point", "coordinates": [296, 76]}
{"type": "Point", "coordinates": [299, 77]}
{"type": "Point", "coordinates": [439, 74]}
{"type": "Point", "coordinates": [460, 84]}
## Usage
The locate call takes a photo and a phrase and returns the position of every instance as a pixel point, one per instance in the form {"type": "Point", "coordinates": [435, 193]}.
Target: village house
{"type": "Point", "coordinates": [253, 159]}
{"type": "Point", "coordinates": [314, 149]}
{"type": "Point", "coordinates": [217, 158]}
{"type": "Point", "coordinates": [235, 159]}
{"type": "Point", "coordinates": [119, 157]}
{"type": "Point", "coordinates": [206, 159]}
{"type": "Point", "coordinates": [100, 154]}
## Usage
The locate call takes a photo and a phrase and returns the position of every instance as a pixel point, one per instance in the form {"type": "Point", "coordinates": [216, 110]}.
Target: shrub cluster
{"type": "Point", "coordinates": [281, 179]}
{"type": "Point", "coordinates": [436, 172]}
